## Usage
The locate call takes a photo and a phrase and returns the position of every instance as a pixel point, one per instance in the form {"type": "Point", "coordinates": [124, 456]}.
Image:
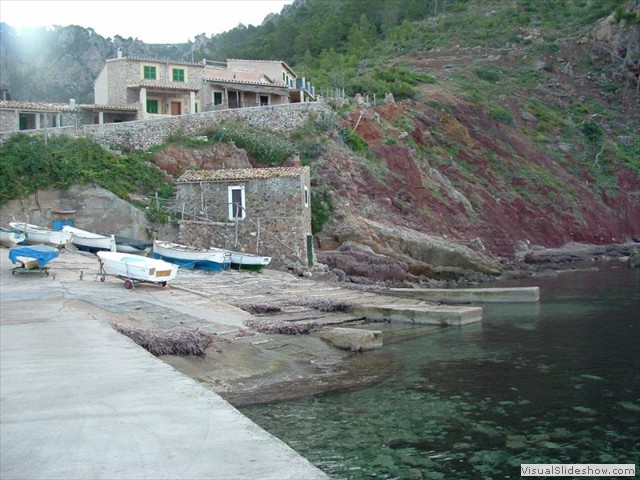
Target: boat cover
{"type": "Point", "coordinates": [43, 253]}
{"type": "Point", "coordinates": [132, 242]}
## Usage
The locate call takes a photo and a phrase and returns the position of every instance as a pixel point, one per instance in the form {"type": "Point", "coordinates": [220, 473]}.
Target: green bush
{"type": "Point", "coordinates": [265, 146]}
{"type": "Point", "coordinates": [591, 130]}
{"type": "Point", "coordinates": [27, 164]}
{"type": "Point", "coordinates": [488, 74]}
{"type": "Point", "coordinates": [322, 209]}
{"type": "Point", "coordinates": [352, 139]}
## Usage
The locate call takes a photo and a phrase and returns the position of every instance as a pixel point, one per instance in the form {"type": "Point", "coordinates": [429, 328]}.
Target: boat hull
{"type": "Point", "coordinates": [214, 260]}
{"type": "Point", "coordinates": [10, 238]}
{"type": "Point", "coordinates": [246, 261]}
{"type": "Point", "coordinates": [136, 267]}
{"type": "Point", "coordinates": [89, 241]}
{"type": "Point", "coordinates": [40, 235]}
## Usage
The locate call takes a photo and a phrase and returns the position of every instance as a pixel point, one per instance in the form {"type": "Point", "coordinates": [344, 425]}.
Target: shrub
{"type": "Point", "coordinates": [267, 147]}
{"type": "Point", "coordinates": [176, 342]}
{"type": "Point", "coordinates": [321, 210]}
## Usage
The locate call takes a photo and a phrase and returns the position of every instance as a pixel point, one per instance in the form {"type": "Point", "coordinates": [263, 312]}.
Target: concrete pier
{"type": "Point", "coordinates": [470, 295]}
{"type": "Point", "coordinates": [81, 401]}
{"type": "Point", "coordinates": [423, 314]}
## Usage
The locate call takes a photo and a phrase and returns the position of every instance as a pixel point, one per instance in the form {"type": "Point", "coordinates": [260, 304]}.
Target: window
{"type": "Point", "coordinates": [152, 106]}
{"type": "Point", "coordinates": [264, 100]}
{"type": "Point", "coordinates": [178, 74]}
{"type": "Point", "coordinates": [237, 210]}
{"type": "Point", "coordinates": [306, 196]}
{"type": "Point", "coordinates": [217, 98]}
{"type": "Point", "coordinates": [149, 72]}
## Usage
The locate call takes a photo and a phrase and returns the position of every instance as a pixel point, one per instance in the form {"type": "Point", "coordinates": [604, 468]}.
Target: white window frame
{"type": "Point", "coordinates": [243, 206]}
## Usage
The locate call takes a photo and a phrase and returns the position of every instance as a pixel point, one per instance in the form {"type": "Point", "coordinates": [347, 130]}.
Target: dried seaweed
{"type": "Point", "coordinates": [175, 342]}
{"type": "Point", "coordinates": [322, 304]}
{"type": "Point", "coordinates": [282, 328]}
{"type": "Point", "coordinates": [257, 308]}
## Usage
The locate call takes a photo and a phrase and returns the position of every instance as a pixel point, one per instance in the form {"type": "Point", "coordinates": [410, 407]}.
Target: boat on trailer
{"type": "Point", "coordinates": [36, 234]}
{"type": "Point", "coordinates": [32, 258]}
{"type": "Point", "coordinates": [135, 268]}
{"type": "Point", "coordinates": [10, 237]}
{"type": "Point", "coordinates": [248, 261]}
{"type": "Point", "coordinates": [89, 241]}
{"type": "Point", "coordinates": [212, 259]}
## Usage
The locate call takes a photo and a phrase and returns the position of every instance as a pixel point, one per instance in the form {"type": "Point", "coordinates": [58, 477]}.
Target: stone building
{"type": "Point", "coordinates": [265, 211]}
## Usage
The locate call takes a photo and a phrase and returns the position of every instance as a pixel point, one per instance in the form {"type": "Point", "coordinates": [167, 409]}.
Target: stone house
{"type": "Point", "coordinates": [19, 115]}
{"type": "Point", "coordinates": [168, 87]}
{"type": "Point", "coordinates": [130, 88]}
{"type": "Point", "coordinates": [265, 211]}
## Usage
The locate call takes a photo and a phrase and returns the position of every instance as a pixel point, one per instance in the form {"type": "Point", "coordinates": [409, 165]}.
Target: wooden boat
{"type": "Point", "coordinates": [132, 245]}
{"type": "Point", "coordinates": [32, 258]}
{"type": "Point", "coordinates": [247, 261]}
{"type": "Point", "coordinates": [38, 235]}
{"type": "Point", "coordinates": [10, 237]}
{"type": "Point", "coordinates": [213, 259]}
{"type": "Point", "coordinates": [135, 268]}
{"type": "Point", "coordinates": [89, 241]}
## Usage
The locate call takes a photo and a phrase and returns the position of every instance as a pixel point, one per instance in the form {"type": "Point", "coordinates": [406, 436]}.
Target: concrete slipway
{"type": "Point", "coordinates": [78, 400]}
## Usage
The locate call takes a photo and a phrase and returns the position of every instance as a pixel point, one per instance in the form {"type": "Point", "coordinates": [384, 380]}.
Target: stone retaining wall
{"type": "Point", "coordinates": [141, 135]}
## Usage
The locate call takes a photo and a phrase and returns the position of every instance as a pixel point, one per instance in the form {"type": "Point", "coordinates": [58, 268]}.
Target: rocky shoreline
{"type": "Point", "coordinates": [245, 366]}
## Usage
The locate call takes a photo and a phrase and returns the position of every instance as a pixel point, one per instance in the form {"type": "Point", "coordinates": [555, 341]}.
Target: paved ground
{"type": "Point", "coordinates": [79, 400]}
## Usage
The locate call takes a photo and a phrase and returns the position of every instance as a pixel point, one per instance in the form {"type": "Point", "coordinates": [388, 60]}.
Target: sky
{"type": "Point", "coordinates": [151, 21]}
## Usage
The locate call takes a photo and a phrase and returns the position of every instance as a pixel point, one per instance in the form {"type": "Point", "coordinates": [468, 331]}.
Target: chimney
{"type": "Point", "coordinates": [119, 53]}
{"type": "Point", "coordinates": [296, 160]}
{"type": "Point", "coordinates": [72, 102]}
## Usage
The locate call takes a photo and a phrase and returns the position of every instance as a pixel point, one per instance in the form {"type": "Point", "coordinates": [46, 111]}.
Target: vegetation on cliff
{"type": "Point", "coordinates": [509, 124]}
{"type": "Point", "coordinates": [28, 164]}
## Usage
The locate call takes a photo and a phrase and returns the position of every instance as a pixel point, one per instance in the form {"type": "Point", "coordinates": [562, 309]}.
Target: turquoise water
{"type": "Point", "coordinates": [555, 382]}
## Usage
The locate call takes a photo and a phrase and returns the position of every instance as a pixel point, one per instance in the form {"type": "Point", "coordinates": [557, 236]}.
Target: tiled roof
{"type": "Point", "coordinates": [59, 107]}
{"type": "Point", "coordinates": [184, 87]}
{"type": "Point", "coordinates": [240, 174]}
{"type": "Point", "coordinates": [124, 108]}
{"type": "Point", "coordinates": [39, 106]}
{"type": "Point", "coordinates": [157, 60]}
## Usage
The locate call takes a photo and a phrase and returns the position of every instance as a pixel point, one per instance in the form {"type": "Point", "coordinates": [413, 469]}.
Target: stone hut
{"type": "Point", "coordinates": [265, 211]}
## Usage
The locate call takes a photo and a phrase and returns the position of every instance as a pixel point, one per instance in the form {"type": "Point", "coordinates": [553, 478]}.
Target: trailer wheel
{"type": "Point", "coordinates": [13, 272]}
{"type": "Point", "coordinates": [102, 278]}
{"type": "Point", "coordinates": [128, 284]}
{"type": "Point", "coordinates": [47, 273]}
{"type": "Point", "coordinates": [163, 284]}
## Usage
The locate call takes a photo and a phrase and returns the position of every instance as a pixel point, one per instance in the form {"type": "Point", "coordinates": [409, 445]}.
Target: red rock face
{"type": "Point", "coordinates": [496, 185]}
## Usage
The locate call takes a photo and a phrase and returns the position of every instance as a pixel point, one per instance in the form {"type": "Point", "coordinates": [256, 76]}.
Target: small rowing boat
{"type": "Point", "coordinates": [135, 268]}
{"type": "Point", "coordinates": [39, 235]}
{"type": "Point", "coordinates": [213, 259]}
{"type": "Point", "coordinates": [89, 241]}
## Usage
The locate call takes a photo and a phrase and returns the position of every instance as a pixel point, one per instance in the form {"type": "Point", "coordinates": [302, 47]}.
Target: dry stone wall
{"type": "Point", "coordinates": [142, 135]}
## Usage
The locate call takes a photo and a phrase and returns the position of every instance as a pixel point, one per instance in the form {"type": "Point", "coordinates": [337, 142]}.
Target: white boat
{"type": "Point", "coordinates": [248, 261]}
{"type": "Point", "coordinates": [213, 259]}
{"type": "Point", "coordinates": [38, 235]}
{"type": "Point", "coordinates": [89, 241]}
{"type": "Point", "coordinates": [10, 237]}
{"type": "Point", "coordinates": [135, 268]}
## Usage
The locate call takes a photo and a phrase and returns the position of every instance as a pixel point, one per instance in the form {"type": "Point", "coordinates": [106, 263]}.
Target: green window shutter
{"type": "Point", "coordinates": [152, 106]}
{"type": "Point", "coordinates": [178, 75]}
{"type": "Point", "coordinates": [149, 72]}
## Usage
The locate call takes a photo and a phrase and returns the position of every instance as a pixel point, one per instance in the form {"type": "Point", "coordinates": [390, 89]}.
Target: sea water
{"type": "Point", "coordinates": [553, 382]}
